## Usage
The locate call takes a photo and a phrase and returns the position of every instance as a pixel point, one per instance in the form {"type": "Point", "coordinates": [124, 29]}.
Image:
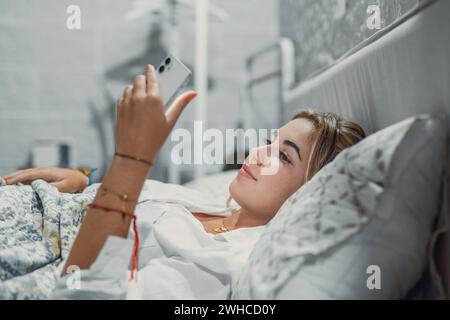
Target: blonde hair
{"type": "Point", "coordinates": [332, 134]}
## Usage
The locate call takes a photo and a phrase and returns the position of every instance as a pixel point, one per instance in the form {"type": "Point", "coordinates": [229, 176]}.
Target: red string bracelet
{"type": "Point", "coordinates": [135, 256]}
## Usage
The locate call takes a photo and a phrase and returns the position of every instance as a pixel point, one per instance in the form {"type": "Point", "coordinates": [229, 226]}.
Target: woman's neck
{"type": "Point", "coordinates": [246, 219]}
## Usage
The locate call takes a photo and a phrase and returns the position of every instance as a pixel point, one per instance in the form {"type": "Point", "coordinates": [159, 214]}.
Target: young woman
{"type": "Point", "coordinates": [188, 248]}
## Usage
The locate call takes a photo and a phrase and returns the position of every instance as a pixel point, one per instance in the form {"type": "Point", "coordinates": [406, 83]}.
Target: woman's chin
{"type": "Point", "coordinates": [235, 187]}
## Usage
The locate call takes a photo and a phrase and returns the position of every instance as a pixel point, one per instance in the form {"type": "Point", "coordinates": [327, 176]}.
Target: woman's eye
{"type": "Point", "coordinates": [284, 157]}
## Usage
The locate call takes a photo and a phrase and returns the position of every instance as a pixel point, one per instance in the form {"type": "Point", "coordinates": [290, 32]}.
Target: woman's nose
{"type": "Point", "coordinates": [259, 163]}
{"type": "Point", "coordinates": [257, 156]}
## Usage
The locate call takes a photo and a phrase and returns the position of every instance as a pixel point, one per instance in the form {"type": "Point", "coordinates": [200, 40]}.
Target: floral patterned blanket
{"type": "Point", "coordinates": [38, 225]}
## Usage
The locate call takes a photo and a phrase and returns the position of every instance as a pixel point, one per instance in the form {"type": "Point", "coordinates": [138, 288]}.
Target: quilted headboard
{"type": "Point", "coordinates": [405, 71]}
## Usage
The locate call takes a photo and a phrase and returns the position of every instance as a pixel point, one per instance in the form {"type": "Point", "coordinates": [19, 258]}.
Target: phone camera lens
{"type": "Point", "coordinates": [161, 69]}
{"type": "Point", "coordinates": [168, 60]}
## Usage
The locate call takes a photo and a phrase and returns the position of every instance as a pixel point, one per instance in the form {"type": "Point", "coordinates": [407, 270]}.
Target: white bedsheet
{"type": "Point", "coordinates": [177, 258]}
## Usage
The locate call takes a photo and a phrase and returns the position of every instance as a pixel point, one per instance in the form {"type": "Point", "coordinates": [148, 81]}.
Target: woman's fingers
{"type": "Point", "coordinates": [148, 84]}
{"type": "Point", "coordinates": [152, 81]}
{"type": "Point", "coordinates": [28, 175]}
{"type": "Point", "coordinates": [142, 116]}
{"type": "Point", "coordinates": [12, 174]}
{"type": "Point", "coordinates": [120, 103]}
{"type": "Point", "coordinates": [22, 171]}
{"type": "Point", "coordinates": [62, 186]}
{"type": "Point", "coordinates": [24, 177]}
{"type": "Point", "coordinates": [17, 173]}
{"type": "Point", "coordinates": [139, 85]}
{"type": "Point", "coordinates": [127, 92]}
{"type": "Point", "coordinates": [177, 107]}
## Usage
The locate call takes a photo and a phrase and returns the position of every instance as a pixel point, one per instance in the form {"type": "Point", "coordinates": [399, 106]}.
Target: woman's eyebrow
{"type": "Point", "coordinates": [294, 146]}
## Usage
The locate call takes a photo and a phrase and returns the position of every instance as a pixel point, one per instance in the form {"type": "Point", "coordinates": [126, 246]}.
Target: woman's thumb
{"type": "Point", "coordinates": [174, 111]}
{"type": "Point", "coordinates": [62, 186]}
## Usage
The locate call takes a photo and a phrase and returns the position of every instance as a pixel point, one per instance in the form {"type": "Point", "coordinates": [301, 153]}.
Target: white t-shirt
{"type": "Point", "coordinates": [178, 259]}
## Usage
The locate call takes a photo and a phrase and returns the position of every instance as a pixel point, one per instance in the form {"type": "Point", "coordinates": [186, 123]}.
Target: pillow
{"type": "Point", "coordinates": [360, 229]}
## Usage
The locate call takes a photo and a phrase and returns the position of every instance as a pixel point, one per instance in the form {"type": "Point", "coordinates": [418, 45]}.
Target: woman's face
{"type": "Point", "coordinates": [272, 173]}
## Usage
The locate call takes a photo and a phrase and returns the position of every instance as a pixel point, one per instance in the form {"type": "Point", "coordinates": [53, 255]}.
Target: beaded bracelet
{"type": "Point", "coordinates": [122, 196]}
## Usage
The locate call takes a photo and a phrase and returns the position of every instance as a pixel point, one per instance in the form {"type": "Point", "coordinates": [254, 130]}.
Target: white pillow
{"type": "Point", "coordinates": [374, 205]}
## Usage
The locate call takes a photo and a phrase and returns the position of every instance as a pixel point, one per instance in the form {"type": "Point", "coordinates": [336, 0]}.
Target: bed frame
{"type": "Point", "coordinates": [399, 72]}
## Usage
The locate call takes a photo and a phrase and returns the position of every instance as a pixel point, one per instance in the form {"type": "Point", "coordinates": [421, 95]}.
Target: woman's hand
{"type": "Point", "coordinates": [141, 130]}
{"type": "Point", "coordinates": [142, 126]}
{"type": "Point", "coordinates": [66, 180]}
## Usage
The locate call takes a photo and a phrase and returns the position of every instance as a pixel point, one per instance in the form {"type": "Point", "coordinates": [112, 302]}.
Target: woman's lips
{"type": "Point", "coordinates": [245, 171]}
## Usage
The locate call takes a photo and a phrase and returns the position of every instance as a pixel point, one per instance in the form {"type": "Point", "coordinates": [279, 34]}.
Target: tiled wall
{"type": "Point", "coordinates": [51, 76]}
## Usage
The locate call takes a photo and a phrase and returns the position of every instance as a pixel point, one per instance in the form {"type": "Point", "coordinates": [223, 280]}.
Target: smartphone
{"type": "Point", "coordinates": [173, 75]}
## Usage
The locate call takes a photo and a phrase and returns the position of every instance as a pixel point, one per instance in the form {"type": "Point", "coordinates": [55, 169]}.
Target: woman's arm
{"type": "Point", "coordinates": [65, 180]}
{"type": "Point", "coordinates": [141, 129]}
{"type": "Point", "coordinates": [125, 176]}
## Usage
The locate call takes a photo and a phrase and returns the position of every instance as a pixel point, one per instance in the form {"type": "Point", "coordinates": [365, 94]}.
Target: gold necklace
{"type": "Point", "coordinates": [222, 228]}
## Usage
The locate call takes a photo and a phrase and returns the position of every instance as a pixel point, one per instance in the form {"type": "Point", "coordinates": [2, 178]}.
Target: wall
{"type": "Point", "coordinates": [51, 78]}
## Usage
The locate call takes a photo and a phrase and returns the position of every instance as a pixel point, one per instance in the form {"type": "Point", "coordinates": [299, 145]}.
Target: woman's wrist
{"type": "Point", "coordinates": [131, 174]}
{"type": "Point", "coordinates": [124, 176]}
{"type": "Point", "coordinates": [131, 167]}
